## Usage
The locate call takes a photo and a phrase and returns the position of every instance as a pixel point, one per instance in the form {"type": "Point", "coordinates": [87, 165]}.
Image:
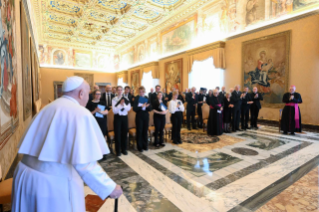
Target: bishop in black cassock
{"type": "Point", "coordinates": [291, 117]}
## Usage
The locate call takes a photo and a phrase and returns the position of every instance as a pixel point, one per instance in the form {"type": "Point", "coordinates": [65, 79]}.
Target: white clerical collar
{"type": "Point", "coordinates": [71, 99]}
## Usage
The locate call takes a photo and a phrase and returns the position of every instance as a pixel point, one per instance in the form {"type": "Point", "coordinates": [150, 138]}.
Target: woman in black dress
{"type": "Point", "coordinates": [99, 110]}
{"type": "Point", "coordinates": [227, 113]}
{"type": "Point", "coordinates": [160, 111]}
{"type": "Point", "coordinates": [215, 119]}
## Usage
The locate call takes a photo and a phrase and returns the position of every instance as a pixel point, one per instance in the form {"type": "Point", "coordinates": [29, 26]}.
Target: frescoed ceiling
{"type": "Point", "coordinates": [100, 24]}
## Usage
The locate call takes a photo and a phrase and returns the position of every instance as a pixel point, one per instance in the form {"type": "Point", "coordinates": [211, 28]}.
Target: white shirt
{"type": "Point", "coordinates": [117, 110]}
{"type": "Point", "coordinates": [173, 106]}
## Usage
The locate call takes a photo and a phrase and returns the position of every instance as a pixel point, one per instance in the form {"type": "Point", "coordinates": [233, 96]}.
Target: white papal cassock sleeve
{"type": "Point", "coordinates": [96, 178]}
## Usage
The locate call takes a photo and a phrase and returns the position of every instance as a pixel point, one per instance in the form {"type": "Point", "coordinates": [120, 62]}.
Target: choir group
{"type": "Point", "coordinates": [227, 110]}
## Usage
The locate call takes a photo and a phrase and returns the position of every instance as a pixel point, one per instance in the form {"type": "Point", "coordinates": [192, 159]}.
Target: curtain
{"type": "Point", "coordinates": [215, 50]}
{"type": "Point", "coordinates": [153, 66]}
{"type": "Point", "coordinates": [123, 75]}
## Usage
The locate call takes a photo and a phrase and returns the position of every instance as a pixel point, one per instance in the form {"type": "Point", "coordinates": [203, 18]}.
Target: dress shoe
{"type": "Point", "coordinates": [145, 149]}
{"type": "Point", "coordinates": [175, 142]}
{"type": "Point", "coordinates": [124, 152]}
{"type": "Point", "coordinates": [118, 154]}
{"type": "Point", "coordinates": [162, 144]}
{"type": "Point", "coordinates": [248, 128]}
{"type": "Point", "coordinates": [189, 129]}
{"type": "Point", "coordinates": [180, 142]}
{"type": "Point", "coordinates": [239, 130]}
{"type": "Point", "coordinates": [234, 130]}
{"type": "Point", "coordinates": [140, 150]}
{"type": "Point", "coordinates": [195, 128]}
{"type": "Point", "coordinates": [285, 133]}
{"type": "Point", "coordinates": [292, 133]}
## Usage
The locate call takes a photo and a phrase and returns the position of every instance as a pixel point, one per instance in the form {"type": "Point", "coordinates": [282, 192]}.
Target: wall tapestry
{"type": "Point", "coordinates": [173, 75]}
{"type": "Point", "coordinates": [265, 64]}
{"type": "Point", "coordinates": [9, 117]}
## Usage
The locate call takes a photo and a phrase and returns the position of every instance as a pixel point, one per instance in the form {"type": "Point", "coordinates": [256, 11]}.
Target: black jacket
{"type": "Point", "coordinates": [257, 100]}
{"type": "Point", "coordinates": [138, 109]}
{"type": "Point", "coordinates": [236, 100]}
{"type": "Point", "coordinates": [190, 101]}
{"type": "Point", "coordinates": [103, 98]}
{"type": "Point", "coordinates": [245, 100]}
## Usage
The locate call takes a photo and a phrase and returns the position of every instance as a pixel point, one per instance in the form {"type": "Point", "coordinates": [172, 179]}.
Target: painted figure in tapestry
{"type": "Point", "coordinates": [266, 72]}
{"type": "Point", "coordinates": [173, 77]}
{"type": "Point", "coordinates": [8, 75]}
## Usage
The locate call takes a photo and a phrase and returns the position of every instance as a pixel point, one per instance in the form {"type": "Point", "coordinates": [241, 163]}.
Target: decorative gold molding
{"type": "Point", "coordinates": [211, 46]}
{"type": "Point", "coordinates": [155, 63]}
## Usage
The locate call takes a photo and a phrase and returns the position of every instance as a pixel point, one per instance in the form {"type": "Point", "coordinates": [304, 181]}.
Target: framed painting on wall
{"type": "Point", "coordinates": [26, 66]}
{"type": "Point", "coordinates": [9, 112]}
{"type": "Point", "coordinates": [57, 89]}
{"type": "Point", "coordinates": [173, 75]}
{"type": "Point", "coordinates": [135, 80]}
{"type": "Point", "coordinates": [87, 77]}
{"type": "Point", "coordinates": [265, 65]}
{"type": "Point", "coordinates": [179, 37]}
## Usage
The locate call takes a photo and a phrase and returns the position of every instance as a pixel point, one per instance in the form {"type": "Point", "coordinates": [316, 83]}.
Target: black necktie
{"type": "Point", "coordinates": [109, 99]}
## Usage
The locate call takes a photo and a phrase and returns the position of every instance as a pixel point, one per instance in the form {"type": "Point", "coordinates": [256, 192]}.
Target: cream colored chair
{"type": "Point", "coordinates": [168, 125]}
{"type": "Point", "coordinates": [151, 128]}
{"type": "Point", "coordinates": [5, 192]}
{"type": "Point", "coordinates": [132, 127]}
{"type": "Point", "coordinates": [205, 114]}
{"type": "Point", "coordinates": [110, 126]}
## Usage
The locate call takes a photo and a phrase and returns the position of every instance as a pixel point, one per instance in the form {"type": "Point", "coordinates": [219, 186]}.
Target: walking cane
{"type": "Point", "coordinates": [116, 205]}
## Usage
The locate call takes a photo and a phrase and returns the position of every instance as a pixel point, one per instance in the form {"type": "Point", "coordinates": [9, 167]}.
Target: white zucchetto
{"type": "Point", "coordinates": [72, 83]}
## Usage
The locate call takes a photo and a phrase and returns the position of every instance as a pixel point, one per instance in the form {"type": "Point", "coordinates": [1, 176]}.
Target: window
{"type": "Point", "coordinates": [121, 83]}
{"type": "Point", "coordinates": [204, 74]}
{"type": "Point", "coordinates": [148, 82]}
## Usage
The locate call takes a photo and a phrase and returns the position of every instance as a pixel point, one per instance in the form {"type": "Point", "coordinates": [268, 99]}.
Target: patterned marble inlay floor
{"type": "Point", "coordinates": [301, 196]}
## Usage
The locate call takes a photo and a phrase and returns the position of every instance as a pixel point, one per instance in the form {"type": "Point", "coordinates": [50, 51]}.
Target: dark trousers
{"type": "Point", "coordinates": [176, 119]}
{"type": "Point", "coordinates": [141, 120]}
{"type": "Point", "coordinates": [200, 116]}
{"type": "Point", "coordinates": [254, 111]}
{"type": "Point", "coordinates": [244, 117]}
{"type": "Point", "coordinates": [191, 115]}
{"type": "Point", "coordinates": [159, 122]}
{"type": "Point", "coordinates": [120, 131]}
{"type": "Point", "coordinates": [236, 118]}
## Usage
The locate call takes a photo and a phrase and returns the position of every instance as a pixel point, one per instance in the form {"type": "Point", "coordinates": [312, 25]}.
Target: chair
{"type": "Point", "coordinates": [131, 126]}
{"type": "Point", "coordinates": [151, 128]}
{"type": "Point", "coordinates": [280, 114]}
{"type": "Point", "coordinates": [168, 125]}
{"type": "Point", "coordinates": [110, 126]}
{"type": "Point", "coordinates": [205, 114]}
{"type": "Point", "coordinates": [185, 113]}
{"type": "Point", "coordinates": [5, 192]}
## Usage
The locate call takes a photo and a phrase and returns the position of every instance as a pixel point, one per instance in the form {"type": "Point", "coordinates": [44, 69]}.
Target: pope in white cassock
{"type": "Point", "coordinates": [61, 148]}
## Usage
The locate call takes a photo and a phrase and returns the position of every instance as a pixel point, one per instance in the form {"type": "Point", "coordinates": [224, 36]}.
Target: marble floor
{"type": "Point", "coordinates": [246, 171]}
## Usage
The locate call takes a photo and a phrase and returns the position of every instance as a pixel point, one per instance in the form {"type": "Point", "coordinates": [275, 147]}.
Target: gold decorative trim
{"type": "Point", "coordinates": [215, 45]}
{"type": "Point", "coordinates": [148, 65]}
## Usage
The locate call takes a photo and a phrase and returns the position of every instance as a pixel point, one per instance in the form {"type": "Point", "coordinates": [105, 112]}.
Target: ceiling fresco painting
{"type": "Point", "coordinates": [138, 31]}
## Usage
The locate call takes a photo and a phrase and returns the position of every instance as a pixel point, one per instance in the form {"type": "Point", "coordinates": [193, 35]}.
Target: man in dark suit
{"type": "Point", "coordinates": [222, 94]}
{"type": "Point", "coordinates": [165, 96]}
{"type": "Point", "coordinates": [201, 97]}
{"type": "Point", "coordinates": [191, 99]}
{"type": "Point", "coordinates": [154, 96]}
{"type": "Point", "coordinates": [236, 99]}
{"type": "Point", "coordinates": [245, 106]}
{"type": "Point", "coordinates": [108, 96]}
{"type": "Point", "coordinates": [255, 107]}
{"type": "Point", "coordinates": [127, 93]}
{"type": "Point", "coordinates": [150, 93]}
